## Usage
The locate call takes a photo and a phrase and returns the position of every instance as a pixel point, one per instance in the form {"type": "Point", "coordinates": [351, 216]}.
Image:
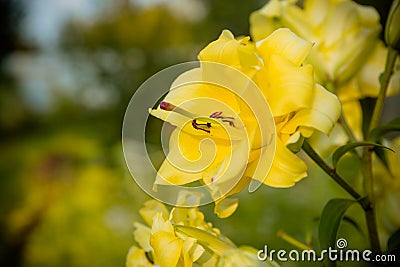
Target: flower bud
{"type": "Point", "coordinates": [392, 31]}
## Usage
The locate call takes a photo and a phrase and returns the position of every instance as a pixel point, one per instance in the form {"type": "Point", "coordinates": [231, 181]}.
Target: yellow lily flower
{"type": "Point", "coordinates": [150, 209]}
{"type": "Point", "coordinates": [142, 236]}
{"type": "Point", "coordinates": [343, 33]}
{"type": "Point", "coordinates": [137, 258]}
{"type": "Point", "coordinates": [202, 112]}
{"type": "Point", "coordinates": [191, 216]}
{"type": "Point", "coordinates": [347, 54]}
{"type": "Point", "coordinates": [181, 240]}
{"type": "Point", "coordinates": [366, 84]}
{"type": "Point", "coordinates": [160, 234]}
{"type": "Point", "coordinates": [182, 251]}
{"type": "Point", "coordinates": [227, 50]}
{"type": "Point", "coordinates": [162, 237]}
{"type": "Point", "coordinates": [222, 116]}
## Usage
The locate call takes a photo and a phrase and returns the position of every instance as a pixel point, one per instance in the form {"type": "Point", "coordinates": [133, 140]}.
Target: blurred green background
{"type": "Point", "coordinates": [68, 69]}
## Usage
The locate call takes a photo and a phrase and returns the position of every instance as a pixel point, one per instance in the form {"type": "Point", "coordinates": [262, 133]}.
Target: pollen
{"type": "Point", "coordinates": [167, 106]}
{"type": "Point", "coordinates": [218, 115]}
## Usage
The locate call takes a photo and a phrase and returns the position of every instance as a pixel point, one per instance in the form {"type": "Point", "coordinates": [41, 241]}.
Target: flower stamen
{"type": "Point", "coordinates": [217, 115]}
{"type": "Point", "coordinates": [198, 126]}
{"type": "Point", "coordinates": [171, 107]}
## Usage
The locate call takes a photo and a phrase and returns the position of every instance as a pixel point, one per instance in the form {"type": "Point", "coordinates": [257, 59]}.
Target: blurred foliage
{"type": "Point", "coordinates": [10, 13]}
{"type": "Point", "coordinates": [66, 196]}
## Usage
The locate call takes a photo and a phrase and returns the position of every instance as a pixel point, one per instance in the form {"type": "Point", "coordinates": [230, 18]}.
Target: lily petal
{"type": "Point", "coordinates": [291, 87]}
{"type": "Point", "coordinates": [287, 168]}
{"type": "Point", "coordinates": [142, 236]}
{"type": "Point", "coordinates": [226, 207]}
{"type": "Point", "coordinates": [285, 43]}
{"type": "Point", "coordinates": [150, 209]}
{"type": "Point", "coordinates": [162, 237]}
{"type": "Point", "coordinates": [322, 116]}
{"type": "Point", "coordinates": [137, 258]}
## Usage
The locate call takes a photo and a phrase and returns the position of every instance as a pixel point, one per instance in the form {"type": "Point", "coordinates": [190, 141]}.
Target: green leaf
{"type": "Point", "coordinates": [350, 146]}
{"type": "Point", "coordinates": [394, 241]}
{"type": "Point", "coordinates": [380, 152]}
{"type": "Point", "coordinates": [353, 223]}
{"type": "Point", "coordinates": [378, 132]}
{"type": "Point", "coordinates": [217, 245]}
{"type": "Point", "coordinates": [331, 218]}
{"type": "Point", "coordinates": [367, 106]}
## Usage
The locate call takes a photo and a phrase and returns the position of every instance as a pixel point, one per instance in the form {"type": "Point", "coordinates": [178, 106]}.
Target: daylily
{"type": "Point", "coordinates": [343, 32]}
{"type": "Point", "coordinates": [347, 54]}
{"type": "Point", "coordinates": [203, 111]}
{"type": "Point", "coordinates": [182, 239]}
{"type": "Point", "coordinates": [366, 84]}
{"type": "Point", "coordinates": [159, 240]}
{"type": "Point", "coordinates": [137, 258]}
{"type": "Point", "coordinates": [221, 116]}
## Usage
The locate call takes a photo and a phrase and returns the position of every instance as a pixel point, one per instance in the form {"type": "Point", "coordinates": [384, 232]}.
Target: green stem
{"type": "Point", "coordinates": [370, 205]}
{"type": "Point", "coordinates": [384, 81]}
{"type": "Point", "coordinates": [367, 153]}
{"type": "Point", "coordinates": [330, 171]}
{"type": "Point", "coordinates": [366, 203]}
{"type": "Point", "coordinates": [372, 229]}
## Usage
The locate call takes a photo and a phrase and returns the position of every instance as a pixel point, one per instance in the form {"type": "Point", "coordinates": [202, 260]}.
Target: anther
{"type": "Point", "coordinates": [167, 106]}
{"type": "Point", "coordinates": [217, 115]}
{"type": "Point", "coordinates": [171, 107]}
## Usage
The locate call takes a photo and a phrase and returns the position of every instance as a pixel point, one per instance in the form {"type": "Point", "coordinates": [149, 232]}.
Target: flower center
{"type": "Point", "coordinates": [206, 126]}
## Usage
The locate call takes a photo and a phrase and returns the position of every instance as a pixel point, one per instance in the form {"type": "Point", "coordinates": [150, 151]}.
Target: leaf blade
{"type": "Point", "coordinates": [339, 152]}
{"type": "Point", "coordinates": [394, 241]}
{"type": "Point", "coordinates": [331, 217]}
